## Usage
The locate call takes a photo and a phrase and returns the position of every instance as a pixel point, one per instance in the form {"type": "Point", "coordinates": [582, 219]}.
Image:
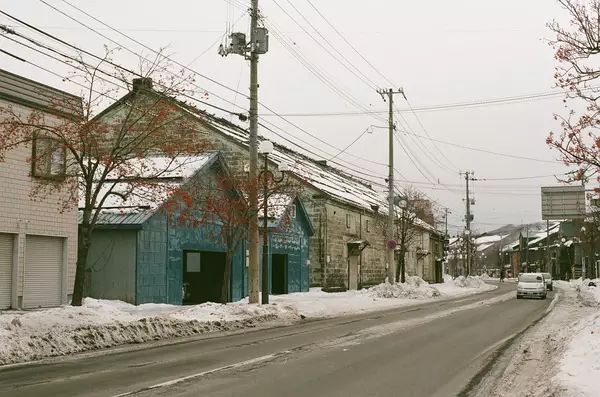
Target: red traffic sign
{"type": "Point", "coordinates": [392, 244]}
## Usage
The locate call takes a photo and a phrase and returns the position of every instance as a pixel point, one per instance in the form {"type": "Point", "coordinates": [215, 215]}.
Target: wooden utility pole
{"type": "Point", "coordinates": [468, 219]}
{"type": "Point", "coordinates": [253, 270]}
{"type": "Point", "coordinates": [391, 242]}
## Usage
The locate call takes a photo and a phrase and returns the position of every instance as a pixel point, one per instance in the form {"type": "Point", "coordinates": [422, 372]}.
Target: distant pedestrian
{"type": "Point", "coordinates": [501, 275]}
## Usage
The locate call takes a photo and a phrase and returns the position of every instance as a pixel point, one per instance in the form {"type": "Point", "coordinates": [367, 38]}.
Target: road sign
{"type": "Point", "coordinates": [563, 202]}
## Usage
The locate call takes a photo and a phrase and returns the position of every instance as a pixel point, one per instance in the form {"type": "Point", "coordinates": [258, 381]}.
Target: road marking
{"type": "Point", "coordinates": [204, 373]}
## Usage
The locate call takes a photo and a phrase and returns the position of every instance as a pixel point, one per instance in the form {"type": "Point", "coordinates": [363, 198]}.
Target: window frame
{"type": "Point", "coordinates": [47, 174]}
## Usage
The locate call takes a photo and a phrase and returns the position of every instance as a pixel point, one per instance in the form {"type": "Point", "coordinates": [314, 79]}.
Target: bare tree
{"type": "Point", "coordinates": [577, 48]}
{"type": "Point", "coordinates": [407, 226]}
{"type": "Point", "coordinates": [92, 159]}
{"type": "Point", "coordinates": [222, 203]}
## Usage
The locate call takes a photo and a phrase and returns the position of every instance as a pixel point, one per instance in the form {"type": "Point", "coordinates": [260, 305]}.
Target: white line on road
{"type": "Point", "coordinates": [356, 338]}
{"type": "Point", "coordinates": [209, 372]}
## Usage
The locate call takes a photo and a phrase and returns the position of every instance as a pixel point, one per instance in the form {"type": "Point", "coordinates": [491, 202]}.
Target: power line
{"type": "Point", "coordinates": [435, 107]}
{"type": "Point", "coordinates": [370, 83]}
{"type": "Point", "coordinates": [352, 143]}
{"type": "Point", "coordinates": [350, 44]}
{"type": "Point", "coordinates": [514, 156]}
{"type": "Point", "coordinates": [134, 73]}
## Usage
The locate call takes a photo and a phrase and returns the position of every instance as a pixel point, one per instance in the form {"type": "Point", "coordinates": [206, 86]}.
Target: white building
{"type": "Point", "coordinates": [38, 237]}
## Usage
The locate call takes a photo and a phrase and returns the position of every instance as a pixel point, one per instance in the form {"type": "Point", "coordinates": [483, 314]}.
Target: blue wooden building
{"type": "Point", "coordinates": [139, 255]}
{"type": "Point", "coordinates": [289, 232]}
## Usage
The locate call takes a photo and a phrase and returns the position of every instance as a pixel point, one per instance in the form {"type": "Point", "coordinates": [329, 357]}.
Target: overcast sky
{"type": "Point", "coordinates": [439, 52]}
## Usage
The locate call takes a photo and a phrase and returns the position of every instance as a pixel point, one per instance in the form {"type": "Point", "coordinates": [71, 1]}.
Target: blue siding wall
{"type": "Point", "coordinates": [204, 238]}
{"type": "Point", "coordinates": [152, 283]}
{"type": "Point", "coordinates": [293, 241]}
{"type": "Point", "coordinates": [160, 259]}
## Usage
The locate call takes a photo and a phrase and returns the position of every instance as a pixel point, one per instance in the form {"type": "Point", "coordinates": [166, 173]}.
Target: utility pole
{"type": "Point", "coordinates": [527, 251]}
{"type": "Point", "coordinates": [258, 44]}
{"type": "Point", "coordinates": [468, 219]}
{"type": "Point", "coordinates": [446, 239]}
{"type": "Point", "coordinates": [391, 243]}
{"type": "Point", "coordinates": [547, 267]}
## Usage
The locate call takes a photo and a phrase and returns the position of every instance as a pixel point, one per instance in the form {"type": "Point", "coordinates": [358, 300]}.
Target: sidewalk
{"type": "Point", "coordinates": [99, 324]}
{"type": "Point", "coordinates": [559, 356]}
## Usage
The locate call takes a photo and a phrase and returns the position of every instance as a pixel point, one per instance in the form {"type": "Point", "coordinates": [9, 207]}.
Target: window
{"type": "Point", "coordinates": [293, 211]}
{"type": "Point", "coordinates": [348, 221]}
{"type": "Point", "coordinates": [49, 158]}
{"type": "Point", "coordinates": [367, 226]}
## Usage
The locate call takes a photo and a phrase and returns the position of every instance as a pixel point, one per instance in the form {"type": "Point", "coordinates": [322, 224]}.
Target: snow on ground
{"type": "Point", "coordinates": [98, 324]}
{"type": "Point", "coordinates": [559, 356]}
{"type": "Point", "coordinates": [317, 303]}
{"type": "Point", "coordinates": [31, 335]}
{"type": "Point", "coordinates": [579, 373]}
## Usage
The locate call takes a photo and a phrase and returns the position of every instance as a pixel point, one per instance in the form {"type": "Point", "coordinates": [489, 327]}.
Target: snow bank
{"type": "Point", "coordinates": [26, 336]}
{"type": "Point", "coordinates": [580, 364]}
{"type": "Point", "coordinates": [98, 324]}
{"type": "Point", "coordinates": [588, 291]}
{"type": "Point", "coordinates": [414, 288]}
{"type": "Point", "coordinates": [469, 282]}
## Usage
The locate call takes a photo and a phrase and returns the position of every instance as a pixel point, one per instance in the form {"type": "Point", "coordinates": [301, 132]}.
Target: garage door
{"type": "Point", "coordinates": [6, 261]}
{"type": "Point", "coordinates": [42, 275]}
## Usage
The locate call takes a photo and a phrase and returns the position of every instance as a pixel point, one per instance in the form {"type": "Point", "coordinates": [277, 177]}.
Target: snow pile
{"type": "Point", "coordinates": [588, 291]}
{"type": "Point", "coordinates": [580, 364]}
{"type": "Point", "coordinates": [414, 288]}
{"type": "Point", "coordinates": [98, 324]}
{"type": "Point", "coordinates": [469, 282]}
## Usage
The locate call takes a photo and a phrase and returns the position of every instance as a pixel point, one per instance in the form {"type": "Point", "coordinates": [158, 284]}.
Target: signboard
{"type": "Point", "coordinates": [563, 202]}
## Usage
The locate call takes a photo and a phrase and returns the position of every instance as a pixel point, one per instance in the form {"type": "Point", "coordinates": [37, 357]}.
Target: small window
{"type": "Point", "coordinates": [49, 158]}
{"type": "Point", "coordinates": [293, 211]}
{"type": "Point", "coordinates": [348, 221]}
{"type": "Point", "coordinates": [367, 226]}
{"type": "Point", "coordinates": [192, 262]}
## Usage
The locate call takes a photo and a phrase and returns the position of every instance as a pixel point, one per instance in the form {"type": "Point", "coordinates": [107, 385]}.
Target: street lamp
{"type": "Point", "coordinates": [266, 148]}
{"type": "Point", "coordinates": [402, 203]}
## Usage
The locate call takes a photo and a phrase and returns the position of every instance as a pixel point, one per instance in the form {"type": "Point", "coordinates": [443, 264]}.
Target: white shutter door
{"type": "Point", "coordinates": [42, 276]}
{"type": "Point", "coordinates": [6, 262]}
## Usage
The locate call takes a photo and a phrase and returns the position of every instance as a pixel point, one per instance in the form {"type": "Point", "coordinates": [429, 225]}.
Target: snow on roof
{"type": "Point", "coordinates": [164, 166]}
{"type": "Point", "coordinates": [483, 247]}
{"type": "Point", "coordinates": [131, 196]}
{"type": "Point", "coordinates": [490, 239]}
{"type": "Point", "coordinates": [277, 204]}
{"type": "Point", "coordinates": [339, 184]}
{"type": "Point", "coordinates": [542, 235]}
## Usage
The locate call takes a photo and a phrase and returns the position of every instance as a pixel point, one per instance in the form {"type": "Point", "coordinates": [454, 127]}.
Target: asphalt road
{"type": "Point", "coordinates": [432, 349]}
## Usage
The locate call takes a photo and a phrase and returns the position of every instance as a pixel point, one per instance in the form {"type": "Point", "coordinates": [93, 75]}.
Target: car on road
{"type": "Point", "coordinates": [548, 280]}
{"type": "Point", "coordinates": [531, 285]}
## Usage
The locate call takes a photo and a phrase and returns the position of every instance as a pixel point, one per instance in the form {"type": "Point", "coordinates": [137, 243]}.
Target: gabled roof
{"type": "Point", "coordinates": [335, 183]}
{"type": "Point", "coordinates": [278, 205]}
{"type": "Point", "coordinates": [133, 203]}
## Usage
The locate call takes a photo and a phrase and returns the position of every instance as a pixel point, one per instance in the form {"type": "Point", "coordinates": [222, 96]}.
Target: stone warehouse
{"type": "Point", "coordinates": [347, 250]}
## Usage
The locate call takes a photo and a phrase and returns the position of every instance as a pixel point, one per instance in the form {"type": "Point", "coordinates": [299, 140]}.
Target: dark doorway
{"type": "Point", "coordinates": [438, 271]}
{"type": "Point", "coordinates": [203, 273]}
{"type": "Point", "coordinates": [279, 274]}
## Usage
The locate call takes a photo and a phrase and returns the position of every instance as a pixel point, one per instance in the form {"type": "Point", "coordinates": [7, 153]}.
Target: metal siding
{"type": "Point", "coordinates": [111, 260]}
{"type": "Point", "coordinates": [34, 94]}
{"type": "Point", "coordinates": [42, 275]}
{"type": "Point", "coordinates": [6, 263]}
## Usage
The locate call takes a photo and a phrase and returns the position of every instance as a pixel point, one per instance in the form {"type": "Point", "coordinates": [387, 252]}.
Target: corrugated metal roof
{"type": "Point", "coordinates": [123, 219]}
